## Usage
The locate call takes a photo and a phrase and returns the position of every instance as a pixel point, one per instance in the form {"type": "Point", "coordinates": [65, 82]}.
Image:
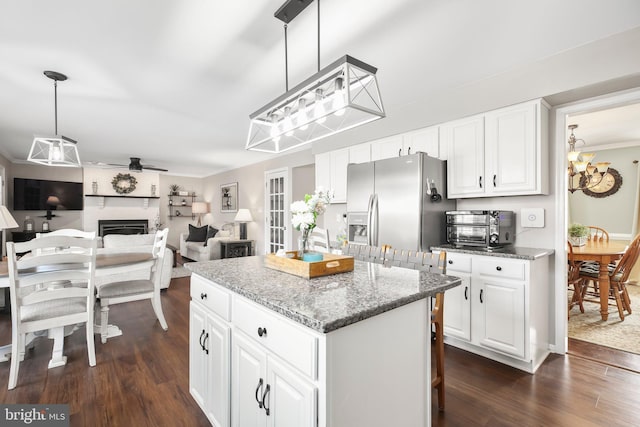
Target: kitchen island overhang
{"type": "Point", "coordinates": [359, 341]}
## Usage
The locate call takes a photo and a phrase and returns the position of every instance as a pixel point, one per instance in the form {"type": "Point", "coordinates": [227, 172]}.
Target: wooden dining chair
{"type": "Point", "coordinates": [135, 290]}
{"type": "Point", "coordinates": [575, 282]}
{"type": "Point", "coordinates": [38, 302]}
{"type": "Point", "coordinates": [619, 278]}
{"type": "Point", "coordinates": [597, 234]}
{"type": "Point", "coordinates": [588, 268]}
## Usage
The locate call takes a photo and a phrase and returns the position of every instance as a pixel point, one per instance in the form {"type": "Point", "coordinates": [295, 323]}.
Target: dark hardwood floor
{"type": "Point", "coordinates": [141, 379]}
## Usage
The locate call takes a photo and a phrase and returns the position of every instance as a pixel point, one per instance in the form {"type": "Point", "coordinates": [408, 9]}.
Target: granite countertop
{"type": "Point", "coordinates": [324, 303]}
{"type": "Point", "coordinates": [505, 252]}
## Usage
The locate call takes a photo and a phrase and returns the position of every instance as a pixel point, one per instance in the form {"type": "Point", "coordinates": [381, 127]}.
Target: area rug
{"type": "Point", "coordinates": [614, 333]}
{"type": "Point", "coordinates": [180, 272]}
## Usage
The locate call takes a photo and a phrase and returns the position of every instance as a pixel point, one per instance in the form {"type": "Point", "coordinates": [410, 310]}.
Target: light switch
{"type": "Point", "coordinates": [532, 218]}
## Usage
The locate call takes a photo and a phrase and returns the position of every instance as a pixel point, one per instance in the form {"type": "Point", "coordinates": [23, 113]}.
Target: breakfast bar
{"type": "Point", "coordinates": [339, 350]}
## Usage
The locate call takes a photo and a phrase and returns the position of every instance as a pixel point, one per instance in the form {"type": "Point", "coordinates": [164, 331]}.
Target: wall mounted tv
{"type": "Point", "coordinates": [41, 195]}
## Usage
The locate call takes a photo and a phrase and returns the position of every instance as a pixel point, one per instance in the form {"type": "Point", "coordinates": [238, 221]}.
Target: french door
{"type": "Point", "coordinates": [277, 200]}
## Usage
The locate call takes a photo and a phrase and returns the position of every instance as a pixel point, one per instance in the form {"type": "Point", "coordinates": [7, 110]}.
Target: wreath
{"type": "Point", "coordinates": [124, 183]}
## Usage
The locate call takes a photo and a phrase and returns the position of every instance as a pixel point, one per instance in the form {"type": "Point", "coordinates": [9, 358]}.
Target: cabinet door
{"type": "Point", "coordinates": [457, 308]}
{"type": "Point", "coordinates": [217, 344]}
{"type": "Point", "coordinates": [501, 316]}
{"type": "Point", "coordinates": [426, 140]}
{"type": "Point", "coordinates": [511, 160]}
{"type": "Point", "coordinates": [360, 153]}
{"type": "Point", "coordinates": [197, 356]}
{"type": "Point", "coordinates": [248, 383]}
{"type": "Point", "coordinates": [339, 162]}
{"type": "Point", "coordinates": [323, 170]}
{"type": "Point", "coordinates": [387, 148]}
{"type": "Point", "coordinates": [465, 168]}
{"type": "Point", "coordinates": [291, 399]}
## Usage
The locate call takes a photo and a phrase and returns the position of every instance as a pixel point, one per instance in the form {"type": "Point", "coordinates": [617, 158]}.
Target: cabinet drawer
{"type": "Point", "coordinates": [211, 296]}
{"type": "Point", "coordinates": [502, 268]}
{"type": "Point", "coordinates": [289, 341]}
{"type": "Point", "coordinates": [458, 262]}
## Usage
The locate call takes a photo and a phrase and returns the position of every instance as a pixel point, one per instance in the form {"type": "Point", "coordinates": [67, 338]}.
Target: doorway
{"type": "Point", "coordinates": [610, 127]}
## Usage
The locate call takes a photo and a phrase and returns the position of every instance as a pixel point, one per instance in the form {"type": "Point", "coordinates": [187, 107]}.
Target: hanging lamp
{"type": "Point", "coordinates": [56, 150]}
{"type": "Point", "coordinates": [338, 97]}
{"type": "Point", "coordinates": [583, 175]}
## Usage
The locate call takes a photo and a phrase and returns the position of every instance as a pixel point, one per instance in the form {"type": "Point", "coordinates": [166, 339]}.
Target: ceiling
{"type": "Point", "coordinates": [173, 82]}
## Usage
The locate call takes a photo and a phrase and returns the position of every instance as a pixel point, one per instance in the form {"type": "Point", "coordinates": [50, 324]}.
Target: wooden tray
{"type": "Point", "coordinates": [331, 264]}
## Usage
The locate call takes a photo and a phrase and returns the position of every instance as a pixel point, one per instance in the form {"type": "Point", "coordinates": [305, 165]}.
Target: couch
{"type": "Point", "coordinates": [198, 251]}
{"type": "Point", "coordinates": [123, 243]}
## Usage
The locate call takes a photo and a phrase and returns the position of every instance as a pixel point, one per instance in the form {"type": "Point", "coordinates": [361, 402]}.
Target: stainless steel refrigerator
{"type": "Point", "coordinates": [399, 202]}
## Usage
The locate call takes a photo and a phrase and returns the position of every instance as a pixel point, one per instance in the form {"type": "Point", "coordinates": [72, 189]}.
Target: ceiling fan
{"type": "Point", "coordinates": [134, 165]}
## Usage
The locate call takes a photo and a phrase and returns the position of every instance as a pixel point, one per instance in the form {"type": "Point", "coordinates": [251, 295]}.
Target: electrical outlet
{"type": "Point", "coordinates": [532, 218]}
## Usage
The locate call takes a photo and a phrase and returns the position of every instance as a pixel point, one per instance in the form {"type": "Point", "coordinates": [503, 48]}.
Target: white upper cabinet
{"type": "Point", "coordinates": [331, 173]}
{"type": "Point", "coordinates": [500, 153]}
{"type": "Point", "coordinates": [360, 153]}
{"type": "Point", "coordinates": [426, 140]}
{"type": "Point", "coordinates": [465, 168]}
{"type": "Point", "coordinates": [386, 148]}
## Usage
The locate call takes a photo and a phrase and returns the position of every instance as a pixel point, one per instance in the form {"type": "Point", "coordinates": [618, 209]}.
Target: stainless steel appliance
{"type": "Point", "coordinates": [399, 202]}
{"type": "Point", "coordinates": [490, 229]}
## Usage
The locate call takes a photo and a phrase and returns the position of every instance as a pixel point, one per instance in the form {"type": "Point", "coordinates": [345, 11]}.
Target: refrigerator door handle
{"type": "Point", "coordinates": [370, 220]}
{"type": "Point", "coordinates": [374, 235]}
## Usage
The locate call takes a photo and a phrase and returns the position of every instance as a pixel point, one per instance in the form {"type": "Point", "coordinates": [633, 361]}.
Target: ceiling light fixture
{"type": "Point", "coordinates": [56, 150]}
{"type": "Point", "coordinates": [582, 174]}
{"type": "Point", "coordinates": [338, 97]}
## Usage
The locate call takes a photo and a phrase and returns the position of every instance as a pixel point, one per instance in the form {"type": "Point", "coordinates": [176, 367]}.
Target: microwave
{"type": "Point", "coordinates": [488, 229]}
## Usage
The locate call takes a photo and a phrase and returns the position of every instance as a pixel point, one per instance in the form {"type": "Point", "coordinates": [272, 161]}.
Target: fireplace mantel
{"type": "Point", "coordinates": [101, 198]}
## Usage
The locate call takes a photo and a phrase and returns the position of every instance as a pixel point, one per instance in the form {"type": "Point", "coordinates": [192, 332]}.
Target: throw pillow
{"type": "Point", "coordinates": [211, 232]}
{"type": "Point", "coordinates": [197, 234]}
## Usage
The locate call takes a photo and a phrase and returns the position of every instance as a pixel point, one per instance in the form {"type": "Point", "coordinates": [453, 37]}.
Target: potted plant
{"type": "Point", "coordinates": [174, 188]}
{"type": "Point", "coordinates": [578, 234]}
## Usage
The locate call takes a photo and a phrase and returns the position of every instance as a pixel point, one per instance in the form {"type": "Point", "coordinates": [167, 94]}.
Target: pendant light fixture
{"type": "Point", "coordinates": [338, 97]}
{"type": "Point", "coordinates": [582, 173]}
{"type": "Point", "coordinates": [56, 150]}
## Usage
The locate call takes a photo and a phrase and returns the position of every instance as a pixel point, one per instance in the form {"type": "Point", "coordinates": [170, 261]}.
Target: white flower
{"type": "Point", "coordinates": [302, 220]}
{"type": "Point", "coordinates": [299, 207]}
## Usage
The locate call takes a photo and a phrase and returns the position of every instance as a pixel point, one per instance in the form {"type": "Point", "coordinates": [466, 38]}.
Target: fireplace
{"type": "Point", "coordinates": [122, 226]}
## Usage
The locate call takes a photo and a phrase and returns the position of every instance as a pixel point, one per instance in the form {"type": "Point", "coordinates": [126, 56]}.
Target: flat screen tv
{"type": "Point", "coordinates": [42, 195]}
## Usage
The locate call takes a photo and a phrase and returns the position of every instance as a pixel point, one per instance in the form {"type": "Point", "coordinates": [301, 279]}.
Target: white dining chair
{"type": "Point", "coordinates": [135, 290]}
{"type": "Point", "coordinates": [320, 240]}
{"type": "Point", "coordinates": [38, 302]}
{"type": "Point", "coordinates": [70, 232]}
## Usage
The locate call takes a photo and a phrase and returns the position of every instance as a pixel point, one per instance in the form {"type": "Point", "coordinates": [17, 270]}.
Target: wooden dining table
{"type": "Point", "coordinates": [106, 264]}
{"type": "Point", "coordinates": [603, 253]}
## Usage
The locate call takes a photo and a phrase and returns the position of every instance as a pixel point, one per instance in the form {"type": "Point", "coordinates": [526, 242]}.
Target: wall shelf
{"type": "Point", "coordinates": [174, 208]}
{"type": "Point", "coordinates": [101, 197]}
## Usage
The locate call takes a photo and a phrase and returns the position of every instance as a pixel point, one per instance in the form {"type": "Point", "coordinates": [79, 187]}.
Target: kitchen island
{"type": "Point", "coordinates": [349, 349]}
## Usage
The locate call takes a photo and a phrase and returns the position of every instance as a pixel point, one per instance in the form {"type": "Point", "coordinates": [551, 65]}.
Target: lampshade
{"type": "Point", "coordinates": [53, 201]}
{"type": "Point", "coordinates": [243, 215]}
{"type": "Point", "coordinates": [6, 220]}
{"type": "Point", "coordinates": [55, 150]}
{"type": "Point", "coordinates": [200, 207]}
{"type": "Point", "coordinates": [341, 96]}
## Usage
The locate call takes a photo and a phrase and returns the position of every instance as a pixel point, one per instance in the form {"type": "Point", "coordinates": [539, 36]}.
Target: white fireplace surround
{"type": "Point", "coordinates": [118, 208]}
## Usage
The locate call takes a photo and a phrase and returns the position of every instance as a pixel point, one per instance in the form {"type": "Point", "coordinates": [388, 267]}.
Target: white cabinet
{"type": "Point", "coordinates": [386, 148]}
{"type": "Point", "coordinates": [465, 169]}
{"type": "Point", "coordinates": [501, 310]}
{"type": "Point", "coordinates": [209, 352]}
{"type": "Point", "coordinates": [426, 140]}
{"type": "Point", "coordinates": [331, 173]}
{"type": "Point", "coordinates": [499, 153]}
{"type": "Point", "coordinates": [267, 392]}
{"type": "Point", "coordinates": [360, 153]}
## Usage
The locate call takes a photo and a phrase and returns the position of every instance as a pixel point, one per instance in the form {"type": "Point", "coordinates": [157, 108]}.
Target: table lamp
{"type": "Point", "coordinates": [200, 208]}
{"type": "Point", "coordinates": [243, 217]}
{"type": "Point", "coordinates": [6, 222]}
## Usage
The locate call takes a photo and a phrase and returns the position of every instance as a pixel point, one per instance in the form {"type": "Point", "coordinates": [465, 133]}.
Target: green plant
{"type": "Point", "coordinates": [174, 188]}
{"type": "Point", "coordinates": [578, 230]}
